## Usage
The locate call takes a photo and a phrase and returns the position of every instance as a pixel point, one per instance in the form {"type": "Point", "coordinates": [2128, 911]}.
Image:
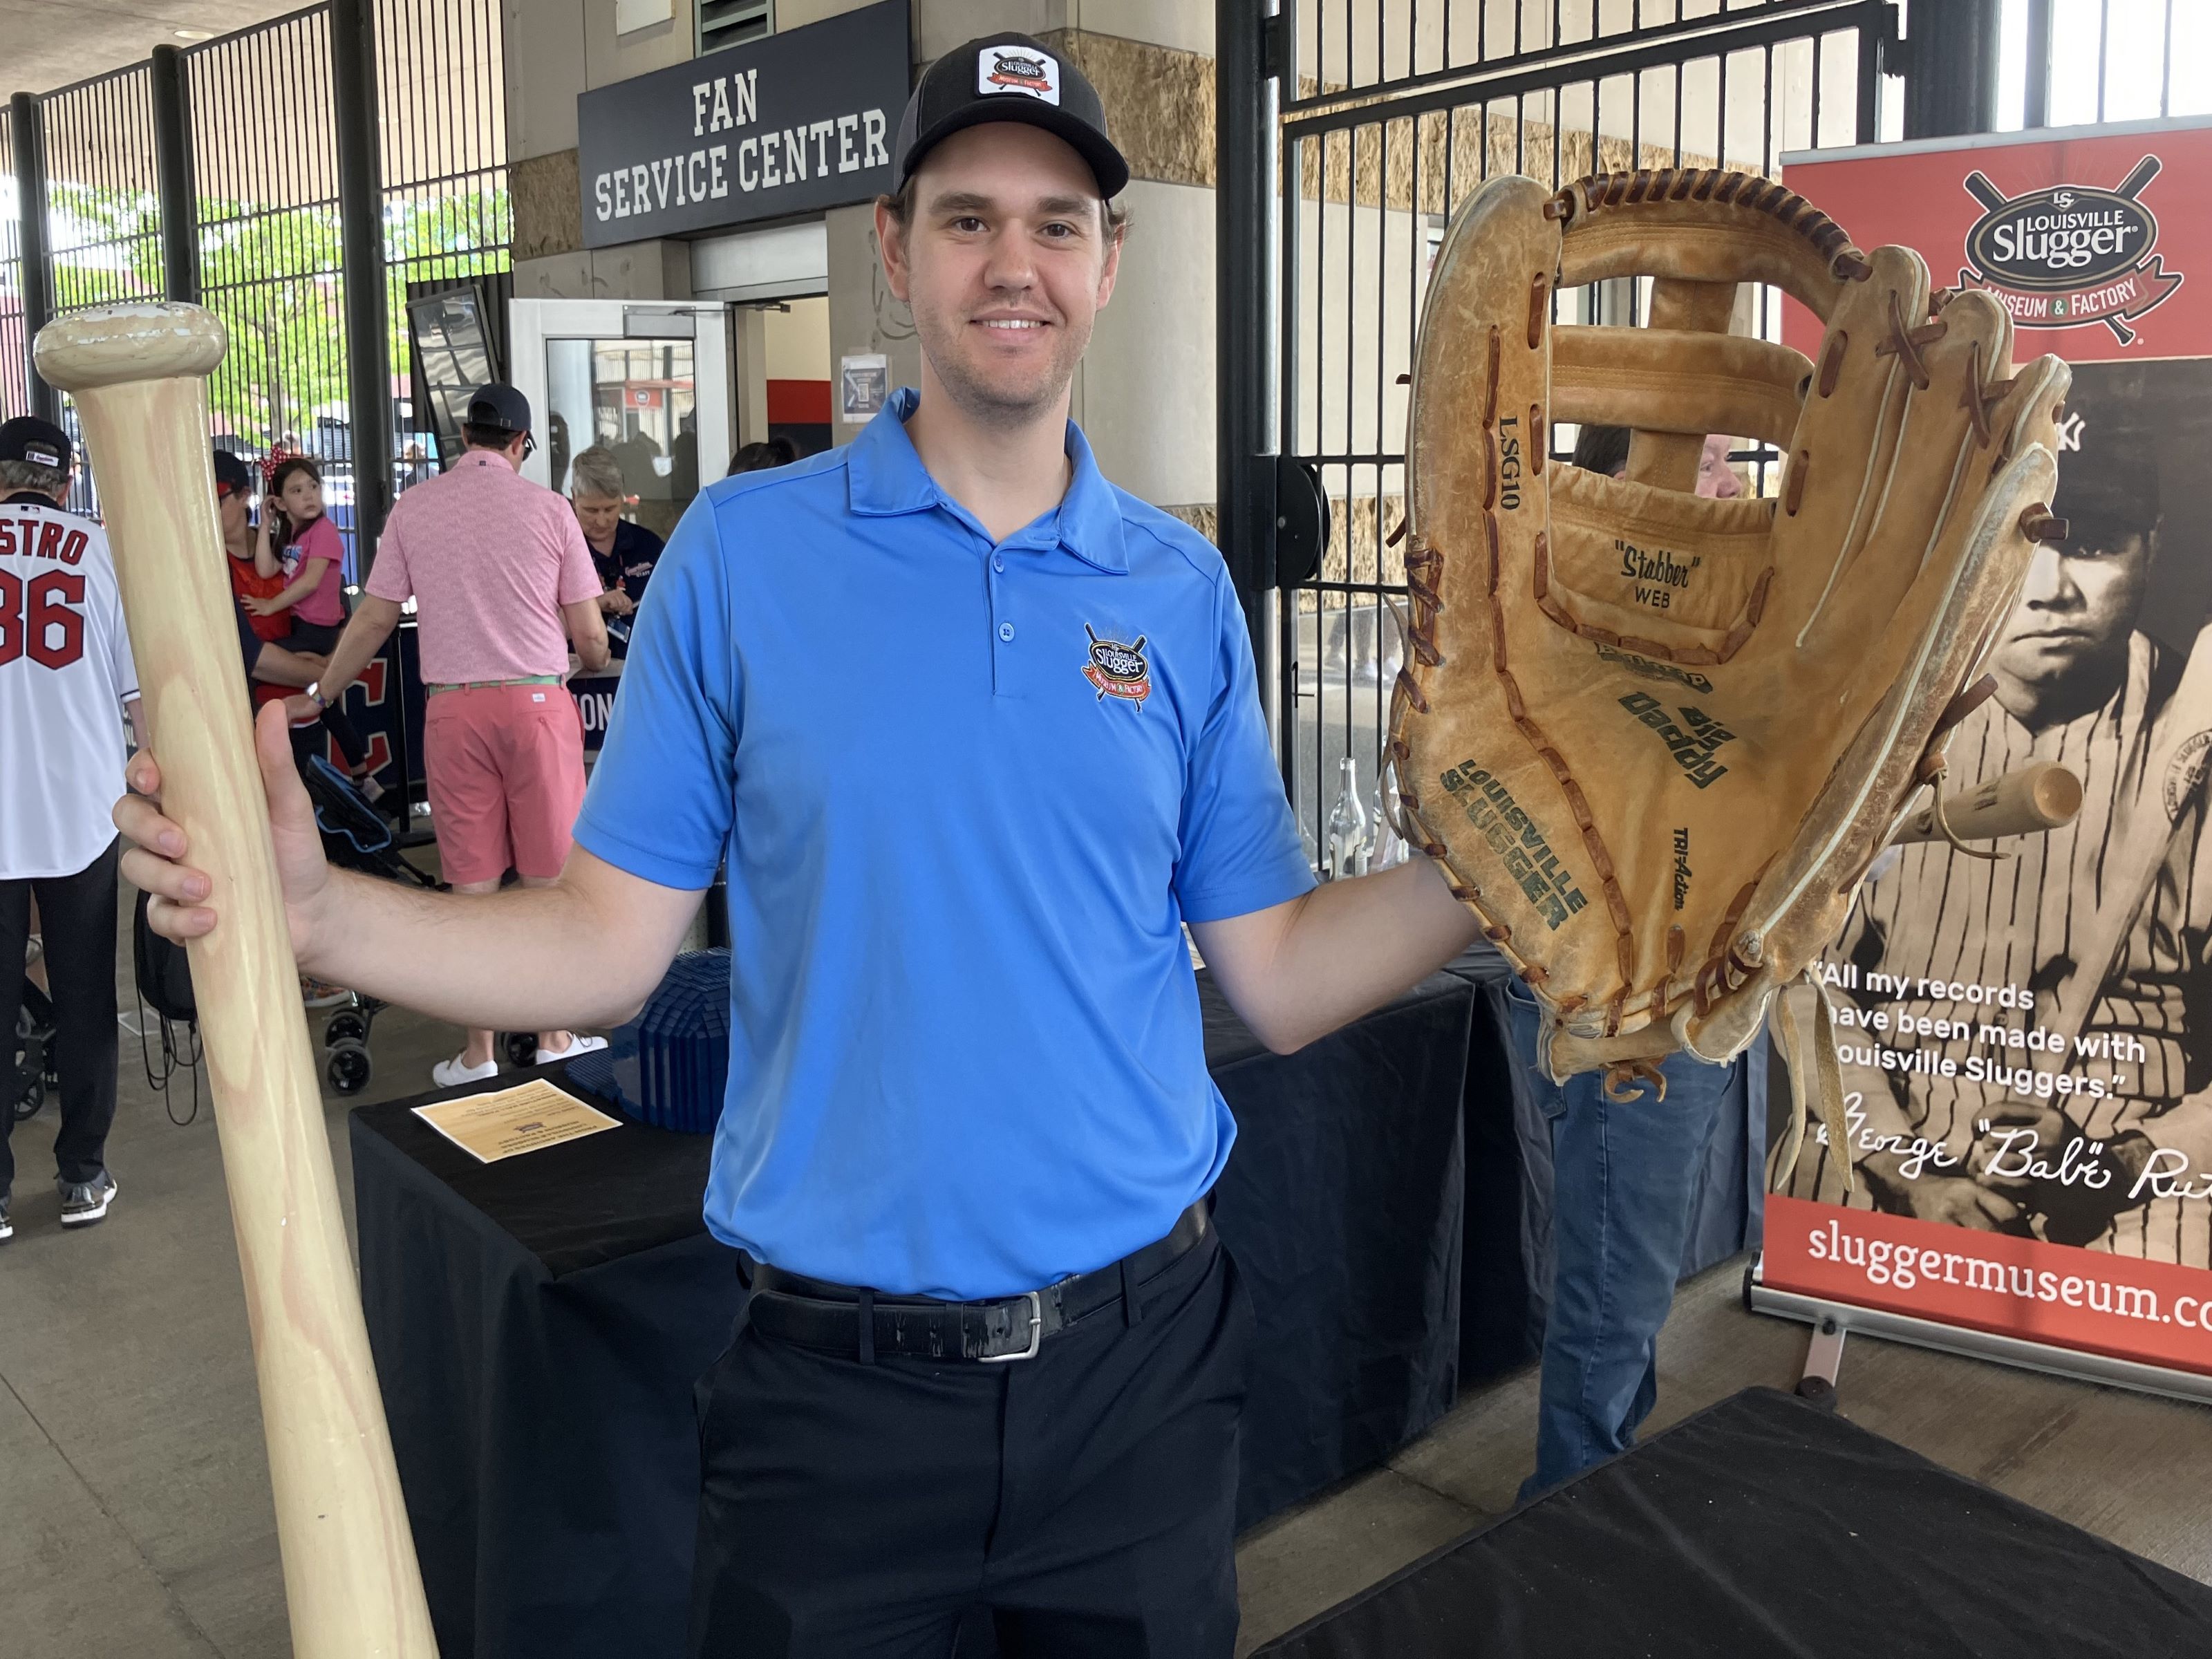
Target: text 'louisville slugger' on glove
{"type": "Point", "coordinates": [1655, 740]}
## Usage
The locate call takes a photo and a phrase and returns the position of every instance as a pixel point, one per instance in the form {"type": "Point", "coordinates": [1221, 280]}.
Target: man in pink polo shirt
{"type": "Point", "coordinates": [497, 566]}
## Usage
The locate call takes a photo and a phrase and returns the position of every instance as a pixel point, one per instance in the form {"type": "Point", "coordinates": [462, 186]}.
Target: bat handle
{"type": "Point", "coordinates": [1979, 188]}
{"type": "Point", "coordinates": [2143, 172]}
{"type": "Point", "coordinates": [2039, 796]}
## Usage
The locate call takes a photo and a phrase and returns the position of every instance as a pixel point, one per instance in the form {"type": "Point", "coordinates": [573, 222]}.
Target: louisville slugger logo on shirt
{"type": "Point", "coordinates": [1118, 670]}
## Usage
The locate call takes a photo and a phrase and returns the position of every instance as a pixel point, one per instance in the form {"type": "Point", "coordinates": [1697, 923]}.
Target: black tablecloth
{"type": "Point", "coordinates": [537, 1322]}
{"type": "Point", "coordinates": [1764, 1525]}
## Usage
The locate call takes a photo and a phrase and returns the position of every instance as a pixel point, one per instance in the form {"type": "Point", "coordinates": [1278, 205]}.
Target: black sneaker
{"type": "Point", "coordinates": [7, 1227]}
{"type": "Point", "coordinates": [84, 1203]}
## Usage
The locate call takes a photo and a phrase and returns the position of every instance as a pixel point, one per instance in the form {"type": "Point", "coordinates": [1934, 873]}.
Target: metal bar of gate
{"type": "Point", "coordinates": [26, 133]}
{"type": "Point", "coordinates": [1245, 312]}
{"type": "Point", "coordinates": [173, 163]}
{"type": "Point", "coordinates": [361, 197]}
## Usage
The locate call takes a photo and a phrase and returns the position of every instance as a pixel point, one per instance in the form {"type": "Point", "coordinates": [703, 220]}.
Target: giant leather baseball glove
{"type": "Point", "coordinates": [1654, 740]}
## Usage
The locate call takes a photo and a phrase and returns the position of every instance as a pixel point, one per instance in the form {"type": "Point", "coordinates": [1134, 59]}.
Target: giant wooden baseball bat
{"type": "Point", "coordinates": [138, 373]}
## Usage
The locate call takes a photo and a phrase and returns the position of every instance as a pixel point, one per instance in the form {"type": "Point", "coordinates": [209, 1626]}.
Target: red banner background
{"type": "Point", "coordinates": [1918, 197]}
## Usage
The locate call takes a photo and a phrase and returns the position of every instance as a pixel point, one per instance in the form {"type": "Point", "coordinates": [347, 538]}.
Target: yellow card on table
{"type": "Point", "coordinates": [511, 1121]}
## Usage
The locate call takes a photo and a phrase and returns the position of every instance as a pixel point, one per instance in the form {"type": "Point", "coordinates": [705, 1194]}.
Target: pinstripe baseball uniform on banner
{"type": "Point", "coordinates": [2020, 922]}
{"type": "Point", "coordinates": [2039, 1010]}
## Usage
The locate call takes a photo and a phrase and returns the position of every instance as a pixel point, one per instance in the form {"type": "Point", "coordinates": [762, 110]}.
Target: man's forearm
{"type": "Point", "coordinates": [275, 665]}
{"type": "Point", "coordinates": [1345, 948]}
{"type": "Point", "coordinates": [363, 638]}
{"type": "Point", "coordinates": [529, 959]}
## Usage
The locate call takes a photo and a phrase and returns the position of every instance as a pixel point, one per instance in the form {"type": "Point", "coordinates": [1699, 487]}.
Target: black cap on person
{"type": "Point", "coordinates": [27, 438]}
{"type": "Point", "coordinates": [499, 407]}
{"type": "Point", "coordinates": [1006, 78]}
{"type": "Point", "coordinates": [232, 476]}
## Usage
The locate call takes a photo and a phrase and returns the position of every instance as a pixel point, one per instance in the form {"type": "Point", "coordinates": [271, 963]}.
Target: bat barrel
{"type": "Point", "coordinates": [351, 1582]}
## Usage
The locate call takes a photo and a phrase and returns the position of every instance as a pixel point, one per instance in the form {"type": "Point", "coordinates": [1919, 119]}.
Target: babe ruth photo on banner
{"type": "Point", "coordinates": [2027, 1041]}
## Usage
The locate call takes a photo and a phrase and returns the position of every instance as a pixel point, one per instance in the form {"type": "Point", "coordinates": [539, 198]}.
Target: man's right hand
{"type": "Point", "coordinates": [155, 862]}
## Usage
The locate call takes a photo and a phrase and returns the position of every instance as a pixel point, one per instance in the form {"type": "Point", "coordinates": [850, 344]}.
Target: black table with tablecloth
{"type": "Point", "coordinates": [537, 1322]}
{"type": "Point", "coordinates": [1768, 1525]}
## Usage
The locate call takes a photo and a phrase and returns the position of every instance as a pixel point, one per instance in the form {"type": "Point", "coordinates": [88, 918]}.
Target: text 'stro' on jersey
{"type": "Point", "coordinates": [967, 794]}
{"type": "Point", "coordinates": [65, 673]}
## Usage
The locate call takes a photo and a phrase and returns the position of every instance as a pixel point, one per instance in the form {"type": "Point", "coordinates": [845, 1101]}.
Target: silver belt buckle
{"type": "Point", "coordinates": [1037, 1334]}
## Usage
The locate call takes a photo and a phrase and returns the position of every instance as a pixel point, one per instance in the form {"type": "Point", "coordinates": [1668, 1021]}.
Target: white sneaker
{"type": "Point", "coordinates": [452, 1074]}
{"type": "Point", "coordinates": [84, 1203]}
{"type": "Point", "coordinates": [578, 1044]}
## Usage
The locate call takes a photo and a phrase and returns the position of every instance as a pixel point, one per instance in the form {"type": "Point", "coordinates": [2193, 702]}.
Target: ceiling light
{"type": "Point", "coordinates": [191, 34]}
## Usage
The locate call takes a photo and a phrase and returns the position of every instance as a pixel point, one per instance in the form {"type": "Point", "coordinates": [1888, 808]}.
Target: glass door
{"type": "Point", "coordinates": [649, 380]}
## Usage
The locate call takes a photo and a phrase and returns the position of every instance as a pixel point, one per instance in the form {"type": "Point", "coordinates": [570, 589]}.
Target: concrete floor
{"type": "Point", "coordinates": [135, 1494]}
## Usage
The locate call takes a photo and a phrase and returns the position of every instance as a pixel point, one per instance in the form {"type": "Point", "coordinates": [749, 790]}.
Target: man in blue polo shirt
{"type": "Point", "coordinates": [976, 733]}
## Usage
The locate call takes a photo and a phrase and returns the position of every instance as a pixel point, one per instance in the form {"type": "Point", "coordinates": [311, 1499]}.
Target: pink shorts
{"type": "Point", "coordinates": [506, 770]}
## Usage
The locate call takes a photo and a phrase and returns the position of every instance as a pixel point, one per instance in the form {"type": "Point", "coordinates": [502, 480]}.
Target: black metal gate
{"type": "Point", "coordinates": [1390, 114]}
{"type": "Point", "coordinates": [300, 178]}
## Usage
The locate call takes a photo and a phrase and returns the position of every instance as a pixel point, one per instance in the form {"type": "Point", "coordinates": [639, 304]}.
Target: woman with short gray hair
{"type": "Point", "coordinates": [623, 552]}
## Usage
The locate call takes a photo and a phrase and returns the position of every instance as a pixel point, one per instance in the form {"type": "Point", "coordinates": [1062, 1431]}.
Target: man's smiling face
{"type": "Point", "coordinates": [1006, 260]}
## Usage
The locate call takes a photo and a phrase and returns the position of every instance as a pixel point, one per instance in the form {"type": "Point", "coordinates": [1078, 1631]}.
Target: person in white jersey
{"type": "Point", "coordinates": [66, 678]}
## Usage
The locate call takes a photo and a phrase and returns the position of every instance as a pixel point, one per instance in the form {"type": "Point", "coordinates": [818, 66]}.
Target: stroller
{"type": "Point", "coordinates": [35, 1074]}
{"type": "Point", "coordinates": [354, 838]}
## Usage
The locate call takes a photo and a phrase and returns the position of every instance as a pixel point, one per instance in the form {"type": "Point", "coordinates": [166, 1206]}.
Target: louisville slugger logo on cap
{"type": "Point", "coordinates": [1016, 68]}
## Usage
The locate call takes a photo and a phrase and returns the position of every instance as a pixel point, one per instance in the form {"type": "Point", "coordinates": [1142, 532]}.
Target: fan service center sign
{"type": "Point", "coordinates": [2026, 1046]}
{"type": "Point", "coordinates": [788, 125]}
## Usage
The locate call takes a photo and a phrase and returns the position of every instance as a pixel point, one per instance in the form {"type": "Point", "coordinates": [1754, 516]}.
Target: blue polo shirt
{"type": "Point", "coordinates": [968, 792]}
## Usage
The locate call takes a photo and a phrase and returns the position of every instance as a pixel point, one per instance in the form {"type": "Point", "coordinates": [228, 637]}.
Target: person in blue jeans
{"type": "Point", "coordinates": [1608, 1201]}
{"type": "Point", "coordinates": [1609, 1190]}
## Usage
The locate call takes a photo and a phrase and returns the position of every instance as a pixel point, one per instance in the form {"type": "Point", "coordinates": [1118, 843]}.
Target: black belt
{"type": "Point", "coordinates": [859, 1324]}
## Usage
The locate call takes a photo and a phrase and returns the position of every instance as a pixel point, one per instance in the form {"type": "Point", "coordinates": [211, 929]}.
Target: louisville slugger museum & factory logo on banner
{"type": "Point", "coordinates": [2070, 254]}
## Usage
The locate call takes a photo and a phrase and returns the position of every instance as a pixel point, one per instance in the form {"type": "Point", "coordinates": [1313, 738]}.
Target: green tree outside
{"type": "Point", "coordinates": [274, 277]}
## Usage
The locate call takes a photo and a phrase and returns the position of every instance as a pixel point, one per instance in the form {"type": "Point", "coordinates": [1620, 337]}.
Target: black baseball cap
{"type": "Point", "coordinates": [498, 406]}
{"type": "Point", "coordinates": [27, 438]}
{"type": "Point", "coordinates": [1007, 77]}
{"type": "Point", "coordinates": [2108, 462]}
{"type": "Point", "coordinates": [232, 476]}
